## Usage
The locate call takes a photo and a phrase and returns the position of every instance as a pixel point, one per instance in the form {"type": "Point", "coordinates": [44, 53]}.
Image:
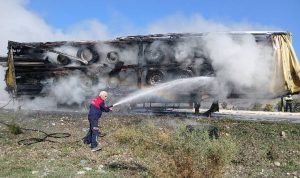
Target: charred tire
{"type": "Point", "coordinates": [64, 60]}
{"type": "Point", "coordinates": [88, 53]}
{"type": "Point", "coordinates": [184, 74]}
{"type": "Point", "coordinates": [153, 54]}
{"type": "Point", "coordinates": [155, 77]}
{"type": "Point", "coordinates": [112, 57]}
{"type": "Point", "coordinates": [113, 82]}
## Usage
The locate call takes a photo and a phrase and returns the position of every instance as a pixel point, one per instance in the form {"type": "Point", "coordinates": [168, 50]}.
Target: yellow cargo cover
{"type": "Point", "coordinates": [286, 76]}
{"type": "Point", "coordinates": [10, 73]}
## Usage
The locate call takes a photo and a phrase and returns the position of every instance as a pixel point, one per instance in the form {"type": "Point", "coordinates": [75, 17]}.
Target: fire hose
{"type": "Point", "coordinates": [34, 140]}
{"type": "Point", "coordinates": [30, 141]}
{"type": "Point", "coordinates": [6, 104]}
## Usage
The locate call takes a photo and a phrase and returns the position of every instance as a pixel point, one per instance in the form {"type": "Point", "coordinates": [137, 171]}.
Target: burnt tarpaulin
{"type": "Point", "coordinates": [10, 73]}
{"type": "Point", "coordinates": [287, 69]}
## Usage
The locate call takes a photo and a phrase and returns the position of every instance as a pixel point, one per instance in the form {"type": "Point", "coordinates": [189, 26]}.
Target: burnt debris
{"type": "Point", "coordinates": [138, 61]}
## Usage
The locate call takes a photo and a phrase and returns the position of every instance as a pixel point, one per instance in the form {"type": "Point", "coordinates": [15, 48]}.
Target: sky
{"type": "Point", "coordinates": [135, 16]}
{"type": "Point", "coordinates": [55, 20]}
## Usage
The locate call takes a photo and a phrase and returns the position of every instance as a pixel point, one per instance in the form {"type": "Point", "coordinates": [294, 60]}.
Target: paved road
{"type": "Point", "coordinates": [234, 114]}
{"type": "Point", "coordinates": [259, 115]}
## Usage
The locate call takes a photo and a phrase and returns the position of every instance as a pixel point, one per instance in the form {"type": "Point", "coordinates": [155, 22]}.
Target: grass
{"type": "Point", "coordinates": [149, 146]}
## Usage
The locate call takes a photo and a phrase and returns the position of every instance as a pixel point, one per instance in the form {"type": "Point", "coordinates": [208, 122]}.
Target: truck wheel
{"type": "Point", "coordinates": [64, 60]}
{"type": "Point", "coordinates": [112, 57]}
{"type": "Point", "coordinates": [153, 54]}
{"type": "Point", "coordinates": [113, 82]}
{"type": "Point", "coordinates": [184, 74]}
{"type": "Point", "coordinates": [155, 77]}
{"type": "Point", "coordinates": [88, 53]}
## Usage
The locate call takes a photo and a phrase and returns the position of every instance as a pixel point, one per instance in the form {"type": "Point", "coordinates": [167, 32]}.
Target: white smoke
{"type": "Point", "coordinates": [127, 53]}
{"type": "Point", "coordinates": [179, 24]}
{"type": "Point", "coordinates": [69, 90]}
{"type": "Point", "coordinates": [243, 62]}
{"type": "Point", "coordinates": [4, 97]}
{"type": "Point", "coordinates": [196, 23]}
{"type": "Point", "coordinates": [74, 89]}
{"type": "Point", "coordinates": [189, 49]}
{"type": "Point", "coordinates": [20, 24]}
{"type": "Point", "coordinates": [130, 55]}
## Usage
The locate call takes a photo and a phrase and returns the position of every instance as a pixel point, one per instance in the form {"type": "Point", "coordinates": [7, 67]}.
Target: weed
{"type": "Point", "coordinates": [149, 149]}
{"type": "Point", "coordinates": [224, 105]}
{"type": "Point", "coordinates": [268, 107]}
{"type": "Point", "coordinates": [273, 153]}
{"type": "Point", "coordinates": [14, 128]}
{"type": "Point", "coordinates": [200, 155]}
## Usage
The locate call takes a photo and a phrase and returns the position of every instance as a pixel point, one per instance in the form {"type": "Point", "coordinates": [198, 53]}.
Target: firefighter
{"type": "Point", "coordinates": [288, 103]}
{"type": "Point", "coordinates": [97, 106]}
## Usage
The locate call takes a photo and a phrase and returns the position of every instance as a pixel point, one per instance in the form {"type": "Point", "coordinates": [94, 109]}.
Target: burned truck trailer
{"type": "Point", "coordinates": [122, 65]}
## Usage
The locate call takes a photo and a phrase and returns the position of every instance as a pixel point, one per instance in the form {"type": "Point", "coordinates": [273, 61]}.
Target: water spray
{"type": "Point", "coordinates": [175, 85]}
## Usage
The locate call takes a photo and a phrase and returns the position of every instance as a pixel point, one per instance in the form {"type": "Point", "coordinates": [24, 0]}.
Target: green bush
{"type": "Point", "coordinates": [268, 107]}
{"type": "Point", "coordinates": [196, 155]}
{"type": "Point", "coordinates": [178, 153]}
{"type": "Point", "coordinates": [14, 129]}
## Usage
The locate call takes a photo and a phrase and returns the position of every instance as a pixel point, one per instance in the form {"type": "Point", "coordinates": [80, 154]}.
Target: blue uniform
{"type": "Point", "coordinates": [97, 106]}
{"type": "Point", "coordinates": [96, 110]}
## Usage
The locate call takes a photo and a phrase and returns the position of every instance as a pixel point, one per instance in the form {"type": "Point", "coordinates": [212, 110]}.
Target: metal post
{"type": "Point", "coordinates": [281, 104]}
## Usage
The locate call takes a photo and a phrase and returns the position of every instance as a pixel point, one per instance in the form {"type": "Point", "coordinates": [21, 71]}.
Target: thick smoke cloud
{"type": "Point", "coordinates": [20, 24]}
{"type": "Point", "coordinates": [243, 62]}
